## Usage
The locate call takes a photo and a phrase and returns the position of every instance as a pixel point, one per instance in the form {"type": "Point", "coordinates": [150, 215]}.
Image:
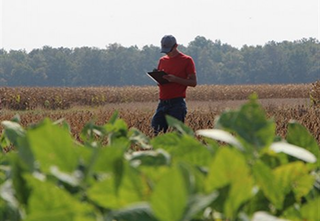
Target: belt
{"type": "Point", "coordinates": [172, 101]}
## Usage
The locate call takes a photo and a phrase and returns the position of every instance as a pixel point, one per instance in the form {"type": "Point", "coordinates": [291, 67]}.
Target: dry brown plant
{"type": "Point", "coordinates": [30, 98]}
{"type": "Point", "coordinates": [315, 94]}
{"type": "Point", "coordinates": [136, 105]}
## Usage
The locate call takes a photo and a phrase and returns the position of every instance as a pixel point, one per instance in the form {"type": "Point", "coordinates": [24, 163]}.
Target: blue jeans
{"type": "Point", "coordinates": [175, 107]}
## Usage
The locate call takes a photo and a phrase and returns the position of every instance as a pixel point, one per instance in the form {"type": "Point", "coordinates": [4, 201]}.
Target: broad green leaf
{"type": "Point", "coordinates": [170, 196]}
{"type": "Point", "coordinates": [63, 123]}
{"type": "Point", "coordinates": [183, 148]}
{"type": "Point", "coordinates": [241, 190]}
{"type": "Point", "coordinates": [131, 190]}
{"type": "Point", "coordinates": [230, 168]}
{"type": "Point", "coordinates": [294, 151]}
{"type": "Point", "coordinates": [151, 158]}
{"type": "Point", "coordinates": [250, 124]}
{"type": "Point", "coordinates": [292, 213]}
{"type": "Point", "coordinates": [263, 216]}
{"type": "Point", "coordinates": [257, 203]}
{"type": "Point", "coordinates": [153, 174]}
{"type": "Point", "coordinates": [191, 151]}
{"type": "Point", "coordinates": [16, 118]}
{"type": "Point", "coordinates": [220, 135]}
{"type": "Point", "coordinates": [19, 182]}
{"type": "Point", "coordinates": [138, 138]}
{"type": "Point", "coordinates": [17, 136]}
{"type": "Point", "coordinates": [227, 166]}
{"type": "Point", "coordinates": [267, 181]}
{"type": "Point", "coordinates": [118, 171]}
{"type": "Point", "coordinates": [136, 212]}
{"type": "Point", "coordinates": [13, 131]}
{"type": "Point", "coordinates": [90, 132]}
{"type": "Point", "coordinates": [179, 126]}
{"type": "Point", "coordinates": [165, 141]}
{"type": "Point", "coordinates": [197, 204]}
{"type": "Point", "coordinates": [104, 159]}
{"type": "Point", "coordinates": [7, 193]}
{"type": "Point", "coordinates": [25, 153]}
{"type": "Point", "coordinates": [294, 177]}
{"type": "Point", "coordinates": [300, 136]}
{"type": "Point", "coordinates": [116, 130]}
{"type": "Point", "coordinates": [7, 212]}
{"type": "Point", "coordinates": [194, 177]}
{"type": "Point", "coordinates": [114, 117]}
{"type": "Point", "coordinates": [310, 211]}
{"type": "Point", "coordinates": [48, 202]}
{"type": "Point", "coordinates": [73, 179]}
{"type": "Point", "coordinates": [53, 146]}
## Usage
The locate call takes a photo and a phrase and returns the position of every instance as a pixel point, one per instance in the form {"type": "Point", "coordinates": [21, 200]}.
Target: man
{"type": "Point", "coordinates": [181, 74]}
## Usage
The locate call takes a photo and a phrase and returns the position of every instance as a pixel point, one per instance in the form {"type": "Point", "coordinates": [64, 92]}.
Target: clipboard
{"type": "Point", "coordinates": [157, 76]}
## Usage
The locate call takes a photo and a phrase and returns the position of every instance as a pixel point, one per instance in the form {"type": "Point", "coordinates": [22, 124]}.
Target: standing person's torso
{"type": "Point", "coordinates": [181, 66]}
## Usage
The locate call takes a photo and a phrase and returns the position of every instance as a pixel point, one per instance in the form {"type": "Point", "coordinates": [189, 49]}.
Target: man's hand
{"type": "Point", "coordinates": [191, 81]}
{"type": "Point", "coordinates": [170, 78]}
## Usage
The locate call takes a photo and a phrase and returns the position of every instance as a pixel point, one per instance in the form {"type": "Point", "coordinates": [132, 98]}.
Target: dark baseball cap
{"type": "Point", "coordinates": [167, 43]}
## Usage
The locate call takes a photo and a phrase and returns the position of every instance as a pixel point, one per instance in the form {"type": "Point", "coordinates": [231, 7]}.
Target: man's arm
{"type": "Point", "coordinates": [190, 81]}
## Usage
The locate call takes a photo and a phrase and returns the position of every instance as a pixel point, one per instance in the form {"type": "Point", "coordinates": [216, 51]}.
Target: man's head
{"type": "Point", "coordinates": [168, 42]}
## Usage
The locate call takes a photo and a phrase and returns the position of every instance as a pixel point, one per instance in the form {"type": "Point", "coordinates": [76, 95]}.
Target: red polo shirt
{"type": "Point", "coordinates": [181, 66]}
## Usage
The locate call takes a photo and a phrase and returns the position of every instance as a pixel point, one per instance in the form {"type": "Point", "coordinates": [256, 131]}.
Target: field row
{"type": "Point", "coordinates": [201, 115]}
{"type": "Point", "coordinates": [24, 98]}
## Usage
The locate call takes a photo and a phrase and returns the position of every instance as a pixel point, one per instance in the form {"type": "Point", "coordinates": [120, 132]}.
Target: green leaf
{"type": "Point", "coordinates": [13, 131]}
{"type": "Point", "coordinates": [48, 202]}
{"type": "Point", "coordinates": [90, 132]}
{"type": "Point", "coordinates": [261, 216]}
{"type": "Point", "coordinates": [197, 204]}
{"type": "Point", "coordinates": [294, 151]}
{"type": "Point", "coordinates": [191, 151]}
{"type": "Point", "coordinates": [193, 176]}
{"type": "Point", "coordinates": [227, 166]}
{"type": "Point", "coordinates": [151, 158]}
{"type": "Point", "coordinates": [294, 177]}
{"type": "Point", "coordinates": [114, 117]}
{"type": "Point", "coordinates": [19, 182]}
{"type": "Point", "coordinates": [7, 212]}
{"type": "Point", "coordinates": [7, 193]}
{"type": "Point", "coordinates": [115, 130]}
{"type": "Point", "coordinates": [136, 212]}
{"type": "Point", "coordinates": [118, 171]}
{"type": "Point", "coordinates": [131, 190]}
{"type": "Point", "coordinates": [17, 136]}
{"type": "Point", "coordinates": [292, 213]}
{"type": "Point", "coordinates": [310, 211]}
{"type": "Point", "coordinates": [179, 126]}
{"type": "Point", "coordinates": [104, 159]}
{"type": "Point", "coordinates": [300, 136]}
{"type": "Point", "coordinates": [268, 183]}
{"type": "Point", "coordinates": [220, 135]}
{"type": "Point", "coordinates": [25, 153]}
{"type": "Point", "coordinates": [153, 174]}
{"type": "Point", "coordinates": [71, 179]}
{"type": "Point", "coordinates": [53, 146]}
{"type": "Point", "coordinates": [138, 138]}
{"type": "Point", "coordinates": [165, 141]}
{"type": "Point", "coordinates": [250, 125]}
{"type": "Point", "coordinates": [230, 168]}
{"type": "Point", "coordinates": [170, 196]}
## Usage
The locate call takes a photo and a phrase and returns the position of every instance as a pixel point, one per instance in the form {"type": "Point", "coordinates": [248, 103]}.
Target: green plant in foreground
{"type": "Point", "coordinates": [250, 174]}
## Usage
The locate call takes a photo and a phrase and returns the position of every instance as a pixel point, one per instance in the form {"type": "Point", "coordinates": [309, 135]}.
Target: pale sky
{"type": "Point", "coordinates": [30, 24]}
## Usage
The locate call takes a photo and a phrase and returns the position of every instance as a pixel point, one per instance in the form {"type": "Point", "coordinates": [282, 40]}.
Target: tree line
{"type": "Point", "coordinates": [216, 63]}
